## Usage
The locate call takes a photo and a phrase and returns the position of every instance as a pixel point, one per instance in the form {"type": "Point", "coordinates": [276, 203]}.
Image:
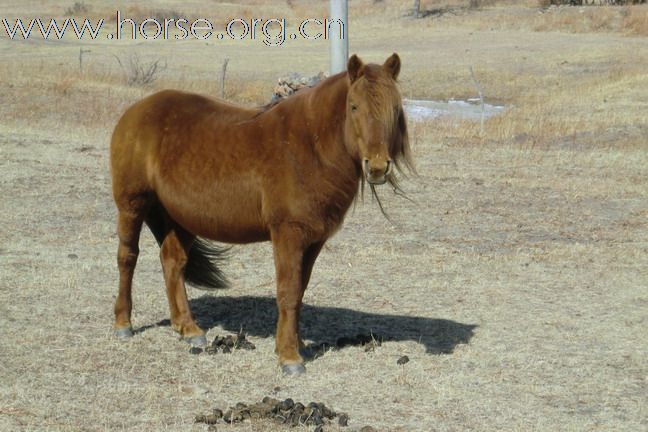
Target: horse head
{"type": "Point", "coordinates": [375, 126]}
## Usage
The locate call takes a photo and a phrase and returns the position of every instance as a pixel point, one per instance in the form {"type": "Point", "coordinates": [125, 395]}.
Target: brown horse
{"type": "Point", "coordinates": [189, 166]}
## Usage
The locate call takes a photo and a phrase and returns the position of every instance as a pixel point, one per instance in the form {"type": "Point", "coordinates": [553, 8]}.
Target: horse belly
{"type": "Point", "coordinates": [230, 216]}
{"type": "Point", "coordinates": [239, 231]}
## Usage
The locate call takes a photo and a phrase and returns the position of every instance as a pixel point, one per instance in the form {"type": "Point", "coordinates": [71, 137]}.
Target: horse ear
{"type": "Point", "coordinates": [393, 65]}
{"type": "Point", "coordinates": [354, 67]}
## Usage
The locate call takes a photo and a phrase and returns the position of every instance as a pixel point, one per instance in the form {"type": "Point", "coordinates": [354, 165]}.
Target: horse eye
{"type": "Point", "coordinates": [354, 108]}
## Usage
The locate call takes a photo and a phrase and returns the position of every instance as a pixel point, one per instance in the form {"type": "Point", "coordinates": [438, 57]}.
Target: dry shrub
{"type": "Point", "coordinates": [579, 20]}
{"type": "Point", "coordinates": [160, 15]}
{"type": "Point", "coordinates": [476, 4]}
{"type": "Point", "coordinates": [78, 8]}
{"type": "Point", "coordinates": [437, 9]}
{"type": "Point", "coordinates": [545, 3]}
{"type": "Point", "coordinates": [140, 72]}
{"type": "Point", "coordinates": [319, 9]}
{"type": "Point", "coordinates": [139, 14]}
{"type": "Point", "coordinates": [63, 86]}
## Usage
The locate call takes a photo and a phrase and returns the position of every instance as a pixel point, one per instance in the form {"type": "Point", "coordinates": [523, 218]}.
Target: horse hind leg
{"type": "Point", "coordinates": [129, 226]}
{"type": "Point", "coordinates": [174, 253]}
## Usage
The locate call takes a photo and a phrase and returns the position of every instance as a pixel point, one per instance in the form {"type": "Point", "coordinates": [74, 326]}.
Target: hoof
{"type": "Point", "coordinates": [295, 369]}
{"type": "Point", "coordinates": [197, 341]}
{"type": "Point", "coordinates": [124, 333]}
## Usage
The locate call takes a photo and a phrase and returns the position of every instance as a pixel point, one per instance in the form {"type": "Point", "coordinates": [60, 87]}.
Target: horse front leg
{"type": "Point", "coordinates": [288, 246]}
{"type": "Point", "coordinates": [308, 260]}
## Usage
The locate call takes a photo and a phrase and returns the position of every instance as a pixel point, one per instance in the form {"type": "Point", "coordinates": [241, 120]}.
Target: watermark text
{"type": "Point", "coordinates": [272, 31]}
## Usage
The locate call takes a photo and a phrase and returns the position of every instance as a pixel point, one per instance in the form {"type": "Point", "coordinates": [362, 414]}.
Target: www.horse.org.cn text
{"type": "Point", "coordinates": [270, 31]}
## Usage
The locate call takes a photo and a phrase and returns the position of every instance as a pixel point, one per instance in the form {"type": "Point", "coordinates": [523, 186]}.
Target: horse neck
{"type": "Point", "coordinates": [326, 115]}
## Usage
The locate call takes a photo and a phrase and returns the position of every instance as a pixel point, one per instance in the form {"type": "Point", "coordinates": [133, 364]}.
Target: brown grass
{"type": "Point", "coordinates": [502, 15]}
{"type": "Point", "coordinates": [535, 231]}
{"type": "Point", "coordinates": [635, 21]}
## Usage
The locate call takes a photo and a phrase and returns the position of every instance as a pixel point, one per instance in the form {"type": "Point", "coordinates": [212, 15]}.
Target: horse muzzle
{"type": "Point", "coordinates": [377, 173]}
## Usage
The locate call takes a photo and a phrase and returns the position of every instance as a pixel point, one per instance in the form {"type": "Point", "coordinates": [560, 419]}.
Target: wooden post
{"type": "Point", "coordinates": [339, 15]}
{"type": "Point", "coordinates": [417, 9]}
{"type": "Point", "coordinates": [481, 99]}
{"type": "Point", "coordinates": [81, 52]}
{"type": "Point", "coordinates": [224, 71]}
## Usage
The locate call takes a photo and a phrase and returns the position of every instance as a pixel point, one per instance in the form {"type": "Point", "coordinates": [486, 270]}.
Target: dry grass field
{"type": "Point", "coordinates": [516, 280]}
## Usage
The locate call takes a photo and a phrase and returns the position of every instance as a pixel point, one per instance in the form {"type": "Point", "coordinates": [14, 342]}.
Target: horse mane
{"type": "Point", "coordinates": [386, 105]}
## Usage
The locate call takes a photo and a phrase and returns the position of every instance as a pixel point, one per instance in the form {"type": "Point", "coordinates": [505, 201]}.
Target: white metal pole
{"type": "Point", "coordinates": [338, 33]}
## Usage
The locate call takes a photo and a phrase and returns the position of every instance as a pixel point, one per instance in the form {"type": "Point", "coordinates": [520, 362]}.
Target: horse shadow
{"type": "Point", "coordinates": [257, 316]}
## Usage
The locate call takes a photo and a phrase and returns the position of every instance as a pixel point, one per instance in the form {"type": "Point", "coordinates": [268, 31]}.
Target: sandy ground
{"type": "Point", "coordinates": [516, 281]}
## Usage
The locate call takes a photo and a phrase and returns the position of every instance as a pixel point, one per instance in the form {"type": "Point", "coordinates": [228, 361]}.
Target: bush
{"type": "Point", "coordinates": [78, 8]}
{"type": "Point", "coordinates": [139, 72]}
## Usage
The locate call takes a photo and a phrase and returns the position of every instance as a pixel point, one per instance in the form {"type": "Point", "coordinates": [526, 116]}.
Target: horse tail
{"type": "Point", "coordinates": [202, 270]}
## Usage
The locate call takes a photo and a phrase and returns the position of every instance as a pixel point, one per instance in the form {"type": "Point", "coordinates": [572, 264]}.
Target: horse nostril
{"type": "Point", "coordinates": [389, 167]}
